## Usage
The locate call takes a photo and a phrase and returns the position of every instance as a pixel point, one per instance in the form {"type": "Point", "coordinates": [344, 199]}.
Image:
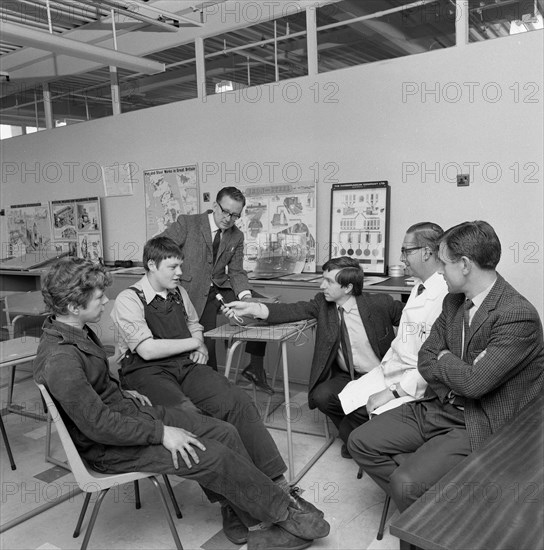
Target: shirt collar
{"type": "Point", "coordinates": [213, 225]}
{"type": "Point", "coordinates": [149, 291]}
{"type": "Point", "coordinates": [479, 298]}
{"type": "Point", "coordinates": [434, 285]}
{"type": "Point", "coordinates": [349, 304]}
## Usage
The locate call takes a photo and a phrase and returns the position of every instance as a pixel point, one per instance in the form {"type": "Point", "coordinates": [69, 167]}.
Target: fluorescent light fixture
{"type": "Point", "coordinates": [228, 86]}
{"type": "Point", "coordinates": [25, 36]}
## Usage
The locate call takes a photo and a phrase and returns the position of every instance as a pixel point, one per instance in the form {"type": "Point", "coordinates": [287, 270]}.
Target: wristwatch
{"type": "Point", "coordinates": [393, 389]}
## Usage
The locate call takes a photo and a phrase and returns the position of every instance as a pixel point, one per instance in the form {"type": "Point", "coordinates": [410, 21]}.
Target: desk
{"type": "Point", "coordinates": [280, 334]}
{"type": "Point", "coordinates": [492, 499]}
{"type": "Point", "coordinates": [12, 353]}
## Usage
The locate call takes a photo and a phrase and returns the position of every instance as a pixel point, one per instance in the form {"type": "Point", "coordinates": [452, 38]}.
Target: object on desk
{"type": "Point", "coordinates": [264, 276]}
{"type": "Point", "coordinates": [301, 277]}
{"type": "Point", "coordinates": [396, 271]}
{"type": "Point", "coordinates": [30, 260]}
{"type": "Point", "coordinates": [374, 280]}
{"type": "Point", "coordinates": [138, 270]}
{"type": "Point", "coordinates": [410, 281]}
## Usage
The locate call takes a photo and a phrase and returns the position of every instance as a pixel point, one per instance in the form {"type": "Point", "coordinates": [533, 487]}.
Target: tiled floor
{"type": "Point", "coordinates": [353, 507]}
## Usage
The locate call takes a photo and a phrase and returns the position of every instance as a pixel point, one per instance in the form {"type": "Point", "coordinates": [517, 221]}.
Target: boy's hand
{"type": "Point", "coordinates": [137, 396]}
{"type": "Point", "coordinates": [178, 440]}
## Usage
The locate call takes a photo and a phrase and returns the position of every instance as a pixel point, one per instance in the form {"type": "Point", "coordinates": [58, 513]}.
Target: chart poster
{"type": "Point", "coordinates": [279, 224]}
{"type": "Point", "coordinates": [169, 192]}
{"type": "Point", "coordinates": [29, 229]}
{"type": "Point", "coordinates": [360, 223]}
{"type": "Point", "coordinates": [77, 227]}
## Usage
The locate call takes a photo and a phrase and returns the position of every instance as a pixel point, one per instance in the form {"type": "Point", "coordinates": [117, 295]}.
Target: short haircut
{"type": "Point", "coordinates": [350, 273]}
{"type": "Point", "coordinates": [160, 248]}
{"type": "Point", "coordinates": [234, 193]}
{"type": "Point", "coordinates": [72, 281]}
{"type": "Point", "coordinates": [476, 240]}
{"type": "Point", "coordinates": [426, 234]}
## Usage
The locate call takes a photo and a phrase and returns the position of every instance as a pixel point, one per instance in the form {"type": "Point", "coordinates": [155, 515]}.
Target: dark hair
{"type": "Point", "coordinates": [159, 249]}
{"type": "Point", "coordinates": [234, 193]}
{"type": "Point", "coordinates": [426, 234]}
{"type": "Point", "coordinates": [72, 281]}
{"type": "Point", "coordinates": [350, 273]}
{"type": "Point", "coordinates": [476, 240]}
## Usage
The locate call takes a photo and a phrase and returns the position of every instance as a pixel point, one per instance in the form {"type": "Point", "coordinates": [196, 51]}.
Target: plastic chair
{"type": "Point", "coordinates": [90, 481]}
{"type": "Point", "coordinates": [25, 313]}
{"type": "Point", "coordinates": [398, 459]}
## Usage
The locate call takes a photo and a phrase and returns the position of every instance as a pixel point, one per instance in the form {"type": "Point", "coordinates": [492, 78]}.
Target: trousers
{"type": "Point", "coordinates": [224, 468]}
{"type": "Point", "coordinates": [212, 394]}
{"type": "Point", "coordinates": [431, 437]}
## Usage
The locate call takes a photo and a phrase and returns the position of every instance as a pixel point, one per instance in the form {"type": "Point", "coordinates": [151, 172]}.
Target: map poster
{"type": "Point", "coordinates": [360, 223]}
{"type": "Point", "coordinates": [169, 192]}
{"type": "Point", "coordinates": [29, 229]}
{"type": "Point", "coordinates": [279, 224]}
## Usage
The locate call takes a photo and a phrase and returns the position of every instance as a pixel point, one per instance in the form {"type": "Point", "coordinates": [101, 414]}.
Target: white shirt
{"type": "Point", "coordinates": [364, 358]}
{"type": "Point", "coordinates": [399, 365]}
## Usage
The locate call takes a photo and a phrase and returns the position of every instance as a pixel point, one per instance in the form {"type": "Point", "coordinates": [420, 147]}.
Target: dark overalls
{"type": "Point", "coordinates": [173, 380]}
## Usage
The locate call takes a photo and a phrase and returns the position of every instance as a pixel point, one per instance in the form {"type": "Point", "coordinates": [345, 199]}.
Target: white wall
{"type": "Point", "coordinates": [360, 122]}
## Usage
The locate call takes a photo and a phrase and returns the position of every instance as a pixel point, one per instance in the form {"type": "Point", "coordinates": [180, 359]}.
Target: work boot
{"type": "Point", "coordinates": [301, 504]}
{"type": "Point", "coordinates": [306, 525]}
{"type": "Point", "coordinates": [233, 527]}
{"type": "Point", "coordinates": [258, 377]}
{"type": "Point", "coordinates": [275, 538]}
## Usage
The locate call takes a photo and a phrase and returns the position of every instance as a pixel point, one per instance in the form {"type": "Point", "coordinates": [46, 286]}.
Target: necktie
{"type": "Point", "coordinates": [420, 289]}
{"type": "Point", "coordinates": [215, 244]}
{"type": "Point", "coordinates": [466, 325]}
{"type": "Point", "coordinates": [346, 345]}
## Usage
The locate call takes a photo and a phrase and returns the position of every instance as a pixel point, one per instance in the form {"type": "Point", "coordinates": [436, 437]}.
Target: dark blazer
{"type": "Point", "coordinates": [510, 373]}
{"type": "Point", "coordinates": [194, 235]}
{"type": "Point", "coordinates": [379, 313]}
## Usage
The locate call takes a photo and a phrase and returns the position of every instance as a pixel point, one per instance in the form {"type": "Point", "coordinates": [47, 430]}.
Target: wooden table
{"type": "Point", "coordinates": [491, 500]}
{"type": "Point", "coordinates": [280, 334]}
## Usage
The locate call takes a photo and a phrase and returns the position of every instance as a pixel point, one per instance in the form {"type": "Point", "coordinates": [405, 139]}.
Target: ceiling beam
{"type": "Point", "coordinates": [25, 36]}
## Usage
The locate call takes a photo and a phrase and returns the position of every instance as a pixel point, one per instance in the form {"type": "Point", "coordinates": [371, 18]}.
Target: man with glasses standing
{"type": "Point", "coordinates": [213, 249]}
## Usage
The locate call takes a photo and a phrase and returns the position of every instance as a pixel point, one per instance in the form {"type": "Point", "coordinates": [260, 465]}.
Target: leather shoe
{"type": "Point", "coordinates": [344, 451]}
{"type": "Point", "coordinates": [304, 525]}
{"type": "Point", "coordinates": [275, 538]}
{"type": "Point", "coordinates": [263, 385]}
{"type": "Point", "coordinates": [233, 528]}
{"type": "Point", "coordinates": [301, 504]}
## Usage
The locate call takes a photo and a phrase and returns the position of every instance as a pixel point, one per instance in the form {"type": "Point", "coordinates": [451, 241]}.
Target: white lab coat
{"type": "Point", "coordinates": [399, 365]}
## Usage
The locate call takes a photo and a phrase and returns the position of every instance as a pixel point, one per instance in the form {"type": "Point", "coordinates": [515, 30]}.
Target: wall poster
{"type": "Point", "coordinates": [360, 223]}
{"type": "Point", "coordinates": [29, 229]}
{"type": "Point", "coordinates": [169, 192]}
{"type": "Point", "coordinates": [279, 224]}
{"type": "Point", "coordinates": [77, 227]}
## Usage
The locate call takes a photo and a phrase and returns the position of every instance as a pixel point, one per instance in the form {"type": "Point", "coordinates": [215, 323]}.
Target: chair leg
{"type": "Point", "coordinates": [6, 443]}
{"type": "Point", "coordinates": [179, 515]}
{"type": "Point", "coordinates": [94, 515]}
{"type": "Point", "coordinates": [11, 384]}
{"type": "Point", "coordinates": [82, 515]}
{"type": "Point", "coordinates": [175, 535]}
{"type": "Point", "coordinates": [384, 517]}
{"type": "Point", "coordinates": [137, 495]}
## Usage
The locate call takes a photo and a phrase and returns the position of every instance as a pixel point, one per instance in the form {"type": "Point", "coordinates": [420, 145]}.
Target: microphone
{"type": "Point", "coordinates": [220, 299]}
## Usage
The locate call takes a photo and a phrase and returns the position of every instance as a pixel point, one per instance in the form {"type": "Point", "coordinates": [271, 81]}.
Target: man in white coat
{"type": "Point", "coordinates": [396, 379]}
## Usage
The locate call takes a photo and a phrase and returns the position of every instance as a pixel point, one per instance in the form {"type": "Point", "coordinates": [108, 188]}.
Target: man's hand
{"type": "Point", "coordinates": [247, 298]}
{"type": "Point", "coordinates": [142, 399]}
{"type": "Point", "coordinates": [378, 399]}
{"type": "Point", "coordinates": [249, 309]}
{"type": "Point", "coordinates": [200, 355]}
{"type": "Point", "coordinates": [178, 440]}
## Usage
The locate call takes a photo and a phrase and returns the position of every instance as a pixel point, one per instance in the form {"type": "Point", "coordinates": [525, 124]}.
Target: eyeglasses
{"type": "Point", "coordinates": [407, 251]}
{"type": "Point", "coordinates": [227, 214]}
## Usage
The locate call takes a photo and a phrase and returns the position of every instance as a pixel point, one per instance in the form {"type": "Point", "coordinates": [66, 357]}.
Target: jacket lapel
{"type": "Point", "coordinates": [488, 305]}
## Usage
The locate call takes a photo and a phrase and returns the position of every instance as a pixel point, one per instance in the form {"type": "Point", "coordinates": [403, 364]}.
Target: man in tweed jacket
{"type": "Point", "coordinates": [479, 375]}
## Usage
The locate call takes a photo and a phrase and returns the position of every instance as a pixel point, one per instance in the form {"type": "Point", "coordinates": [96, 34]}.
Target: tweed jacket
{"type": "Point", "coordinates": [500, 382]}
{"type": "Point", "coordinates": [379, 313]}
{"type": "Point", "coordinates": [194, 235]}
